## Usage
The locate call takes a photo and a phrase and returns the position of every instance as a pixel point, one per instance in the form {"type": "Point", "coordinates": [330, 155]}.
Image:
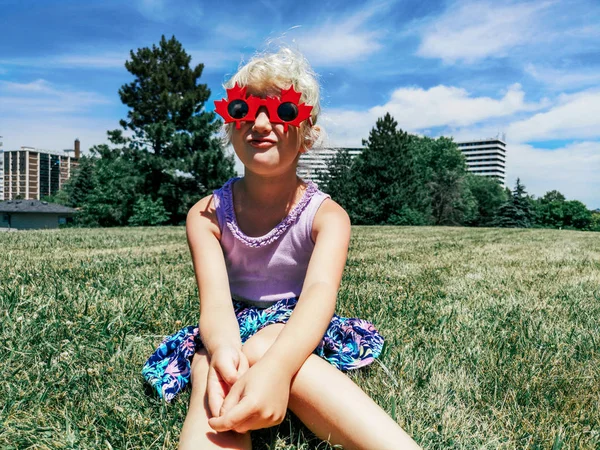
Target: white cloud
{"type": "Point", "coordinates": [103, 61]}
{"type": "Point", "coordinates": [152, 8]}
{"type": "Point", "coordinates": [38, 86]}
{"type": "Point", "coordinates": [212, 58]}
{"type": "Point", "coordinates": [54, 133]}
{"type": "Point", "coordinates": [564, 79]}
{"type": "Point", "coordinates": [215, 59]}
{"type": "Point", "coordinates": [91, 60]}
{"type": "Point", "coordinates": [446, 105]}
{"type": "Point", "coordinates": [40, 96]}
{"type": "Point", "coordinates": [335, 43]}
{"type": "Point", "coordinates": [417, 109]}
{"type": "Point", "coordinates": [573, 170]}
{"type": "Point", "coordinates": [164, 11]}
{"type": "Point", "coordinates": [470, 31]}
{"type": "Point", "coordinates": [42, 115]}
{"type": "Point", "coordinates": [576, 116]}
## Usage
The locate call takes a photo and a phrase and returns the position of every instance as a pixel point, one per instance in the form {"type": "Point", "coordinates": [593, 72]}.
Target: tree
{"type": "Point", "coordinates": [507, 216]}
{"type": "Point", "coordinates": [172, 156]}
{"type": "Point", "coordinates": [489, 196]}
{"type": "Point", "coordinates": [337, 180]}
{"type": "Point", "coordinates": [451, 201]}
{"type": "Point", "coordinates": [577, 215]}
{"type": "Point", "coordinates": [103, 187]}
{"type": "Point", "coordinates": [183, 159]}
{"type": "Point", "coordinates": [386, 175]}
{"type": "Point", "coordinates": [552, 196]}
{"type": "Point", "coordinates": [553, 210]}
{"type": "Point", "coordinates": [595, 221]}
{"type": "Point", "coordinates": [549, 210]}
{"type": "Point", "coordinates": [79, 185]}
{"type": "Point", "coordinates": [523, 204]}
{"type": "Point", "coordinates": [165, 100]}
{"type": "Point", "coordinates": [116, 182]}
{"type": "Point", "coordinates": [147, 212]}
{"type": "Point", "coordinates": [517, 211]}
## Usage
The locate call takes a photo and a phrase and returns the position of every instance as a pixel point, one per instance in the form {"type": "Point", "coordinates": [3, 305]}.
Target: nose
{"type": "Point", "coordinates": [262, 124]}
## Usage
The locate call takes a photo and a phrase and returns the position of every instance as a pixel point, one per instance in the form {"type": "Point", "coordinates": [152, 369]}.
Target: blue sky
{"type": "Point", "coordinates": [467, 69]}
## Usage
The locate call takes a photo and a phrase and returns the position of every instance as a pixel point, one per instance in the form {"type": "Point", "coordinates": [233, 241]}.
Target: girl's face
{"type": "Point", "coordinates": [265, 148]}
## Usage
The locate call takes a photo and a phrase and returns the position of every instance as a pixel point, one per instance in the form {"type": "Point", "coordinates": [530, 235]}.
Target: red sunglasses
{"type": "Point", "coordinates": [238, 107]}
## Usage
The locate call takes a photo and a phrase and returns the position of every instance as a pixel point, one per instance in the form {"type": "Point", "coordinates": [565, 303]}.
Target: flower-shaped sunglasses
{"type": "Point", "coordinates": [285, 109]}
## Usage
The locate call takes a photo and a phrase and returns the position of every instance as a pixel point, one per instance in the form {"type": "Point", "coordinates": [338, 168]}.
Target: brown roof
{"type": "Point", "coordinates": [34, 206]}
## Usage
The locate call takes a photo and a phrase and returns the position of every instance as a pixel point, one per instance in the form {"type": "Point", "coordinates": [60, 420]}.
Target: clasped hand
{"type": "Point", "coordinates": [242, 398]}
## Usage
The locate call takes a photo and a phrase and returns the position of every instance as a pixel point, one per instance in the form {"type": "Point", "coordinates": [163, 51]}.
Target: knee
{"type": "Point", "coordinates": [257, 345]}
{"type": "Point", "coordinates": [255, 349]}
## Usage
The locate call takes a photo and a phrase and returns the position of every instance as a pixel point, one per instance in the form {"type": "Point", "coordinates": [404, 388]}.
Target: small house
{"type": "Point", "coordinates": [33, 214]}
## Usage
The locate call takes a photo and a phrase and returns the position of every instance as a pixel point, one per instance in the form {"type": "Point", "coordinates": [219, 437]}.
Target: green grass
{"type": "Point", "coordinates": [492, 336]}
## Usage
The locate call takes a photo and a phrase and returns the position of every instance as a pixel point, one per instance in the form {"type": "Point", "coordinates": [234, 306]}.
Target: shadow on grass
{"type": "Point", "coordinates": [291, 432]}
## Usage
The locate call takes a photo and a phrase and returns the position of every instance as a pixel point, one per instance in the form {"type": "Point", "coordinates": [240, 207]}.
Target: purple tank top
{"type": "Point", "coordinates": [272, 267]}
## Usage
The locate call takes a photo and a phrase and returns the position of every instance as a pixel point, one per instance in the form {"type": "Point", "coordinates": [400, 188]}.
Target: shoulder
{"type": "Point", "coordinates": [331, 218]}
{"type": "Point", "coordinates": [202, 217]}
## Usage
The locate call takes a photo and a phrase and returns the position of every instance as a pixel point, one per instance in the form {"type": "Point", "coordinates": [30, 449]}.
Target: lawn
{"type": "Point", "coordinates": [492, 336]}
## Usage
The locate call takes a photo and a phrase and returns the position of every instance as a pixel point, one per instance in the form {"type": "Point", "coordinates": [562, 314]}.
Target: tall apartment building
{"type": "Point", "coordinates": [486, 157]}
{"type": "Point", "coordinates": [314, 162]}
{"type": "Point", "coordinates": [31, 174]}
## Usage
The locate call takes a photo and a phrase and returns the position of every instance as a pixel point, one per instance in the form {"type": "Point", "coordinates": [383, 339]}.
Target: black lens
{"type": "Point", "coordinates": [287, 111]}
{"type": "Point", "coordinates": [238, 109]}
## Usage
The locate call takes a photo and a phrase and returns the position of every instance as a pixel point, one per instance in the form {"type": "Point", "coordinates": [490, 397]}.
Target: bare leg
{"type": "Point", "coordinates": [332, 406]}
{"type": "Point", "coordinates": [336, 409]}
{"type": "Point", "coordinates": [196, 433]}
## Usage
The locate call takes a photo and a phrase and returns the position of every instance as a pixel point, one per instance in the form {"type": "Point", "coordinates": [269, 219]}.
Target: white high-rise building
{"type": "Point", "coordinates": [486, 157]}
{"type": "Point", "coordinates": [315, 161]}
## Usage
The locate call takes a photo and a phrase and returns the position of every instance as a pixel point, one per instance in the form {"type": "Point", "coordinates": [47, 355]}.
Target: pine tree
{"type": "Point", "coordinates": [147, 212]}
{"type": "Point", "coordinates": [78, 187]}
{"type": "Point", "coordinates": [173, 141]}
{"type": "Point", "coordinates": [522, 202]}
{"type": "Point", "coordinates": [165, 99]}
{"type": "Point", "coordinates": [385, 176]}
{"type": "Point", "coordinates": [517, 212]}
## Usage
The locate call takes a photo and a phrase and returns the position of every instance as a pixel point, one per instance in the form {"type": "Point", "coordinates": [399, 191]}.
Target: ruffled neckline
{"type": "Point", "coordinates": [275, 233]}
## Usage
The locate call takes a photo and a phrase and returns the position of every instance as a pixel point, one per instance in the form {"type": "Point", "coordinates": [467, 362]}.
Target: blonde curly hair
{"type": "Point", "coordinates": [268, 73]}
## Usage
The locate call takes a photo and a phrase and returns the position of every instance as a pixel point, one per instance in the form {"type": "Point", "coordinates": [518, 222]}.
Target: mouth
{"type": "Point", "coordinates": [262, 143]}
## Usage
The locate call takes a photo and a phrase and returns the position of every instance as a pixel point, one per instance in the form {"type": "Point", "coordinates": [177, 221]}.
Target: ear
{"type": "Point", "coordinates": [309, 140]}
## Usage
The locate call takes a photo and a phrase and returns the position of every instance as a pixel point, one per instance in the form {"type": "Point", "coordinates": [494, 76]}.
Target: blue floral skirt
{"type": "Point", "coordinates": [347, 344]}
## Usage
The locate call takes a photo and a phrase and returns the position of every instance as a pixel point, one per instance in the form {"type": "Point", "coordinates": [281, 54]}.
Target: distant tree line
{"type": "Point", "coordinates": [404, 179]}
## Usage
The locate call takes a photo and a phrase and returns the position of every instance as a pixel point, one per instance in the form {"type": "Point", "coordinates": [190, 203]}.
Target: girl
{"type": "Point", "coordinates": [277, 246]}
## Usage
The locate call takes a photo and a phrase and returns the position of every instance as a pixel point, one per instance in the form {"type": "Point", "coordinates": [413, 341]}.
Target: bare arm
{"type": "Point", "coordinates": [316, 305]}
{"type": "Point", "coordinates": [218, 325]}
{"type": "Point", "coordinates": [219, 328]}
